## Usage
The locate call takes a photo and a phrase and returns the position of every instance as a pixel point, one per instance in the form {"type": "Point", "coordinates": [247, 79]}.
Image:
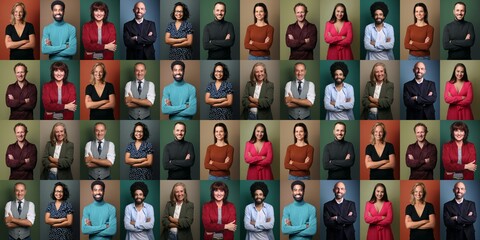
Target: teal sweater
{"type": "Point", "coordinates": [60, 35]}
{"type": "Point", "coordinates": [179, 94]}
{"type": "Point", "coordinates": [100, 214]}
{"type": "Point", "coordinates": [300, 214]}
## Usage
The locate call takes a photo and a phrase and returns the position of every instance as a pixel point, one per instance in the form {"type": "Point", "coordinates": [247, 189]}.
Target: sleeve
{"type": "Point", "coordinates": [72, 43]}
{"type": "Point", "coordinates": [208, 223]}
{"type": "Point", "coordinates": [262, 45]}
{"type": "Point", "coordinates": [468, 219]}
{"type": "Point", "coordinates": [148, 39]}
{"type": "Point", "coordinates": [266, 100]}
{"type": "Point", "coordinates": [247, 218]}
{"type": "Point", "coordinates": [185, 221]}
{"type": "Point", "coordinates": [127, 36]}
{"type": "Point", "coordinates": [222, 165]}
{"type": "Point", "coordinates": [50, 49]}
{"type": "Point", "coordinates": [348, 220]}
{"type": "Point", "coordinates": [31, 213]}
{"type": "Point", "coordinates": [269, 157]}
{"type": "Point", "coordinates": [31, 153]}
{"type": "Point", "coordinates": [12, 163]}
{"type": "Point", "coordinates": [88, 43]}
{"type": "Point", "coordinates": [406, 40]}
{"type": "Point", "coordinates": [386, 100]}
{"type": "Point", "coordinates": [293, 43]}
{"type": "Point", "coordinates": [49, 104]}
{"type": "Point", "coordinates": [429, 99]}
{"type": "Point", "coordinates": [450, 94]}
{"type": "Point", "coordinates": [151, 216]}
{"type": "Point", "coordinates": [151, 92]}
{"type": "Point", "coordinates": [368, 216]}
{"type": "Point", "coordinates": [269, 215]}
{"type": "Point", "coordinates": [112, 224]}
{"type": "Point", "coordinates": [244, 100]}
{"type": "Point", "coordinates": [287, 229]}
{"type": "Point", "coordinates": [415, 162]}
{"type": "Point", "coordinates": [46, 154]}
{"type": "Point", "coordinates": [351, 101]}
{"type": "Point", "coordinates": [192, 103]}
{"type": "Point", "coordinates": [465, 43]}
{"type": "Point", "coordinates": [450, 164]}
{"type": "Point", "coordinates": [366, 94]}
{"type": "Point", "coordinates": [170, 109]}
{"type": "Point", "coordinates": [367, 39]}
{"type": "Point", "coordinates": [302, 165]}
{"type": "Point", "coordinates": [86, 229]}
{"type": "Point", "coordinates": [469, 97]}
{"type": "Point", "coordinates": [312, 224]}
{"type": "Point", "coordinates": [327, 215]}
{"type": "Point", "coordinates": [66, 160]}
{"type": "Point", "coordinates": [448, 213]}
{"type": "Point", "coordinates": [312, 35]}
{"type": "Point", "coordinates": [329, 38]}
{"type": "Point", "coordinates": [127, 219]}
{"type": "Point", "coordinates": [388, 217]}
{"type": "Point", "coordinates": [327, 98]}
{"type": "Point", "coordinates": [311, 93]}
{"type": "Point", "coordinates": [389, 34]}
{"type": "Point", "coordinates": [422, 45]}
{"type": "Point", "coordinates": [111, 153]}
{"type": "Point", "coordinates": [248, 149]}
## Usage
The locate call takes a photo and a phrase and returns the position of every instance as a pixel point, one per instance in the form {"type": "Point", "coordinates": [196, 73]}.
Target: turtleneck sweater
{"type": "Point", "coordinates": [102, 218]}
{"type": "Point", "coordinates": [180, 94]}
{"type": "Point", "coordinates": [60, 35]}
{"type": "Point", "coordinates": [299, 214]}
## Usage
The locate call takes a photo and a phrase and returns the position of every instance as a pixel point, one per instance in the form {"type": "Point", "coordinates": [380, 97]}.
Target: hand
{"type": "Point", "coordinates": [347, 157]}
{"type": "Point", "coordinates": [471, 166]}
{"type": "Point", "coordinates": [454, 218]}
{"type": "Point", "coordinates": [388, 40]}
{"type": "Point", "coordinates": [148, 220]}
{"type": "Point", "coordinates": [287, 222]}
{"type": "Point", "coordinates": [187, 157]}
{"type": "Point", "coordinates": [427, 160]}
{"type": "Point", "coordinates": [211, 162]}
{"type": "Point", "coordinates": [470, 214]}
{"type": "Point", "coordinates": [10, 156]}
{"type": "Point", "coordinates": [369, 214]}
{"type": "Point", "coordinates": [71, 106]}
{"type": "Point", "coordinates": [372, 42]}
{"type": "Point", "coordinates": [66, 45]}
{"type": "Point", "coordinates": [414, 98]}
{"type": "Point", "coordinates": [307, 40]}
{"type": "Point", "coordinates": [227, 37]}
{"type": "Point", "coordinates": [186, 105]}
{"type": "Point", "coordinates": [307, 160]}
{"type": "Point", "coordinates": [150, 34]}
{"type": "Point", "coordinates": [332, 103]}
{"type": "Point", "coordinates": [249, 154]}
{"type": "Point", "coordinates": [132, 222]}
{"type": "Point", "coordinates": [10, 97]}
{"type": "Point", "coordinates": [171, 219]}
{"type": "Point", "coordinates": [410, 42]}
{"type": "Point", "coordinates": [9, 218]}
{"type": "Point", "coordinates": [430, 94]}
{"type": "Point", "coordinates": [128, 98]}
{"type": "Point", "coordinates": [333, 218]}
{"type": "Point", "coordinates": [48, 42]}
{"type": "Point", "coordinates": [231, 226]}
{"type": "Point", "coordinates": [88, 159]}
{"type": "Point", "coordinates": [27, 160]}
{"type": "Point", "coordinates": [307, 225]}
{"type": "Point", "coordinates": [107, 225]}
{"type": "Point", "coordinates": [289, 98]}
{"type": "Point", "coordinates": [167, 102]}
{"type": "Point", "coordinates": [134, 38]}
{"type": "Point", "coordinates": [290, 162]}
{"type": "Point", "coordinates": [350, 214]}
{"type": "Point", "coordinates": [227, 160]}
{"type": "Point", "coordinates": [87, 222]}
{"type": "Point", "coordinates": [329, 34]}
{"type": "Point", "coordinates": [449, 94]}
{"type": "Point", "coordinates": [267, 40]}
{"type": "Point", "coordinates": [27, 100]}
{"type": "Point", "coordinates": [252, 222]}
{"type": "Point", "coordinates": [410, 157]}
{"type": "Point", "coordinates": [290, 37]}
{"type": "Point", "coordinates": [427, 40]}
{"type": "Point", "coordinates": [348, 99]}
{"type": "Point", "coordinates": [467, 37]}
{"type": "Point", "coordinates": [250, 42]}
{"type": "Point", "coordinates": [111, 46]}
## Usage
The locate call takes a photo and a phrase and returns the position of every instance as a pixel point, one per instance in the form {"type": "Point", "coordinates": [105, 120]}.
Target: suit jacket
{"type": "Point", "coordinates": [90, 39]}
{"type": "Point", "coordinates": [65, 161]}
{"type": "Point", "coordinates": [265, 100]}
{"type": "Point", "coordinates": [185, 220]}
{"type": "Point", "coordinates": [343, 226]}
{"type": "Point", "coordinates": [385, 100]}
{"type": "Point", "coordinates": [144, 43]}
{"type": "Point", "coordinates": [464, 223]}
{"type": "Point", "coordinates": [50, 99]}
{"type": "Point", "coordinates": [422, 107]}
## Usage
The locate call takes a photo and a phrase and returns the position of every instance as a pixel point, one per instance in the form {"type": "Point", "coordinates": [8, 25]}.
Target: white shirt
{"type": "Point", "coordinates": [310, 93]}
{"type": "Point", "coordinates": [256, 95]}
{"type": "Point", "coordinates": [30, 213]}
{"type": "Point", "coordinates": [150, 93]}
{"type": "Point", "coordinates": [343, 114]}
{"type": "Point", "coordinates": [379, 55]}
{"type": "Point", "coordinates": [56, 154]}
{"type": "Point", "coordinates": [376, 95]}
{"type": "Point", "coordinates": [141, 218]}
{"type": "Point", "coordinates": [176, 215]}
{"type": "Point", "coordinates": [110, 153]}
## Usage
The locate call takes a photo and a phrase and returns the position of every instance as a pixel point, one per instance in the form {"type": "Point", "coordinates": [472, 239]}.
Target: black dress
{"type": "Point", "coordinates": [100, 114]}
{"type": "Point", "coordinates": [380, 174]}
{"type": "Point", "coordinates": [420, 234]}
{"type": "Point", "coordinates": [20, 54]}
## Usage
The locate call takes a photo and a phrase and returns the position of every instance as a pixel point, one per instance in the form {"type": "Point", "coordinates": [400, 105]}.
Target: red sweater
{"type": "Point", "coordinates": [258, 35]}
{"type": "Point", "coordinates": [450, 160]}
{"type": "Point", "coordinates": [298, 155]}
{"type": "Point", "coordinates": [210, 219]}
{"type": "Point", "coordinates": [219, 167]}
{"type": "Point", "coordinates": [90, 39]}
{"type": "Point", "coordinates": [50, 99]}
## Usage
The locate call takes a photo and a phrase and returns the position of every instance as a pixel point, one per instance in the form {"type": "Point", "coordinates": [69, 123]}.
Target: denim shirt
{"type": "Point", "coordinates": [385, 47]}
{"type": "Point", "coordinates": [251, 214]}
{"type": "Point", "coordinates": [131, 214]}
{"type": "Point", "coordinates": [331, 95]}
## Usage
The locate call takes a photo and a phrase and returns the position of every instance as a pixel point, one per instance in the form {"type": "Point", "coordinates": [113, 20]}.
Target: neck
{"type": "Point", "coordinates": [219, 203]}
{"type": "Point", "coordinates": [338, 85]}
{"type": "Point", "coordinates": [378, 25]}
{"type": "Point", "coordinates": [339, 200]}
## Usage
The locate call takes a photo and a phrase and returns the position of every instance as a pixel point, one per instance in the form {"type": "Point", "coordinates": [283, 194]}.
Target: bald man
{"type": "Point", "coordinates": [339, 215]}
{"type": "Point", "coordinates": [459, 215]}
{"type": "Point", "coordinates": [419, 95]}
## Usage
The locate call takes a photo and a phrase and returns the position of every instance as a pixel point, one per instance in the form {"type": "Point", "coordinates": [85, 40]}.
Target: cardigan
{"type": "Point", "coordinates": [450, 160]}
{"type": "Point", "coordinates": [90, 39]}
{"type": "Point", "coordinates": [65, 161]}
{"type": "Point", "coordinates": [185, 220]}
{"type": "Point", "coordinates": [50, 99]}
{"type": "Point", "coordinates": [384, 101]}
{"type": "Point", "coordinates": [210, 219]}
{"type": "Point", "coordinates": [265, 100]}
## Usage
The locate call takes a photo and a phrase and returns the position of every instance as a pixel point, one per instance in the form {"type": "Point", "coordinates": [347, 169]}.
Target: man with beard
{"type": "Point", "coordinates": [139, 35]}
{"type": "Point", "coordinates": [299, 219]}
{"type": "Point", "coordinates": [339, 215]}
{"type": "Point", "coordinates": [339, 96]}
{"type": "Point", "coordinates": [459, 35]}
{"type": "Point", "coordinates": [19, 214]}
{"type": "Point", "coordinates": [99, 220]}
{"type": "Point", "coordinates": [419, 95]}
{"type": "Point", "coordinates": [421, 156]}
{"type": "Point", "coordinates": [179, 155]}
{"type": "Point", "coordinates": [259, 216]}
{"type": "Point", "coordinates": [139, 216]}
{"type": "Point", "coordinates": [139, 94]}
{"type": "Point", "coordinates": [219, 35]}
{"type": "Point", "coordinates": [59, 38]}
{"type": "Point", "coordinates": [179, 97]}
{"type": "Point", "coordinates": [339, 155]}
{"type": "Point", "coordinates": [21, 156]}
{"type": "Point", "coordinates": [459, 215]}
{"type": "Point", "coordinates": [99, 154]}
{"type": "Point", "coordinates": [178, 215]}
{"type": "Point", "coordinates": [301, 36]}
{"type": "Point", "coordinates": [21, 96]}
{"type": "Point", "coordinates": [299, 94]}
{"type": "Point", "coordinates": [379, 36]}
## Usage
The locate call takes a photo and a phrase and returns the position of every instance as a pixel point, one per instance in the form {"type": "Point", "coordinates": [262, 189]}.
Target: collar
{"type": "Point", "coordinates": [421, 81]}
{"type": "Point", "coordinates": [138, 21]}
{"type": "Point", "coordinates": [58, 23]}
{"type": "Point", "coordinates": [377, 84]}
{"type": "Point", "coordinates": [23, 201]}
{"type": "Point", "coordinates": [301, 80]}
{"type": "Point", "coordinates": [141, 80]}
{"type": "Point", "coordinates": [338, 201]}
{"type": "Point", "coordinates": [459, 202]}
{"type": "Point", "coordinates": [103, 140]}
{"type": "Point", "coordinates": [25, 83]}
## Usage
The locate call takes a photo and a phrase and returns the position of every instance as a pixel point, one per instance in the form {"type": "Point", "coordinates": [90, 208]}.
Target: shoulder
{"type": "Point", "coordinates": [310, 207]}
{"type": "Point", "coordinates": [409, 207]}
{"type": "Point", "coordinates": [129, 23]}
{"type": "Point", "coordinates": [388, 26]}
{"type": "Point", "coordinates": [110, 206]}
{"type": "Point", "coordinates": [388, 144]}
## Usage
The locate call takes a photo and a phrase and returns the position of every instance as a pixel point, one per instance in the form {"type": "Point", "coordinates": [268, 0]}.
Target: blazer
{"type": "Point", "coordinates": [90, 39]}
{"type": "Point", "coordinates": [185, 220]}
{"type": "Point", "coordinates": [265, 100]}
{"type": "Point", "coordinates": [143, 43]}
{"type": "Point", "coordinates": [464, 223]}
{"type": "Point", "coordinates": [65, 161]}
{"type": "Point", "coordinates": [422, 107]}
{"type": "Point", "coordinates": [450, 160]}
{"type": "Point", "coordinates": [385, 100]}
{"type": "Point", "coordinates": [343, 226]}
{"type": "Point", "coordinates": [50, 99]}
{"type": "Point", "coordinates": [210, 219]}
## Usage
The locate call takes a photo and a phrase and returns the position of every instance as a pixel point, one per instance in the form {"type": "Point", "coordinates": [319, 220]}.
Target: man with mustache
{"type": "Point", "coordinates": [139, 35]}
{"type": "Point", "coordinates": [339, 96]}
{"type": "Point", "coordinates": [299, 219]}
{"type": "Point", "coordinates": [459, 215]}
{"type": "Point", "coordinates": [99, 219]}
{"type": "Point", "coordinates": [179, 155]}
{"type": "Point", "coordinates": [139, 94]}
{"type": "Point", "coordinates": [259, 216]}
{"type": "Point", "coordinates": [419, 95]}
{"type": "Point", "coordinates": [179, 99]}
{"type": "Point", "coordinates": [59, 38]}
{"type": "Point", "coordinates": [459, 35]}
{"type": "Point", "coordinates": [139, 216]}
{"type": "Point", "coordinates": [339, 155]}
{"type": "Point", "coordinates": [379, 36]}
{"type": "Point", "coordinates": [339, 215]}
{"type": "Point", "coordinates": [219, 35]}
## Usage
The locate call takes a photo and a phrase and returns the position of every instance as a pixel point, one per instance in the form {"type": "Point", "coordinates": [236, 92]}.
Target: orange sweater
{"type": "Point", "coordinates": [418, 35]}
{"type": "Point", "coordinates": [298, 155]}
{"type": "Point", "coordinates": [219, 167]}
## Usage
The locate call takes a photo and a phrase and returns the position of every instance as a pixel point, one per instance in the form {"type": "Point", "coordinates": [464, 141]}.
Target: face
{"type": "Point", "coordinates": [339, 132]}
{"type": "Point", "coordinates": [138, 132]}
{"type": "Point", "coordinates": [58, 194]}
{"type": "Point", "coordinates": [339, 190]}
{"type": "Point", "coordinates": [300, 13]}
{"type": "Point", "coordinates": [139, 10]}
{"type": "Point", "coordinates": [259, 133]}
{"type": "Point", "coordinates": [379, 73]}
{"type": "Point", "coordinates": [459, 190]}
{"type": "Point", "coordinates": [59, 133]}
{"type": "Point", "coordinates": [300, 71]}
{"type": "Point", "coordinates": [219, 12]}
{"type": "Point", "coordinates": [98, 14]}
{"type": "Point", "coordinates": [97, 193]}
{"type": "Point", "coordinates": [259, 13]}
{"type": "Point", "coordinates": [297, 193]}
{"type": "Point", "coordinates": [179, 132]}
{"type": "Point", "coordinates": [140, 71]}
{"type": "Point", "coordinates": [459, 72]}
{"type": "Point", "coordinates": [339, 13]}
{"type": "Point", "coordinates": [259, 197]}
{"type": "Point", "coordinates": [420, 133]}
{"type": "Point", "coordinates": [20, 191]}
{"type": "Point", "coordinates": [458, 134]}
{"type": "Point", "coordinates": [418, 193]}
{"type": "Point", "coordinates": [218, 72]}
{"type": "Point", "coordinates": [179, 193]}
{"type": "Point", "coordinates": [57, 12]}
{"type": "Point", "coordinates": [459, 12]}
{"type": "Point", "coordinates": [18, 13]}
{"type": "Point", "coordinates": [139, 197]}
{"type": "Point", "coordinates": [379, 17]}
{"type": "Point", "coordinates": [259, 73]}
{"type": "Point", "coordinates": [177, 72]}
{"type": "Point", "coordinates": [218, 194]}
{"type": "Point", "coordinates": [419, 70]}
{"type": "Point", "coordinates": [59, 75]}
{"type": "Point", "coordinates": [20, 73]}
{"type": "Point", "coordinates": [419, 13]}
{"type": "Point", "coordinates": [339, 77]}
{"type": "Point", "coordinates": [378, 133]}
{"type": "Point", "coordinates": [98, 73]}
{"type": "Point", "coordinates": [299, 133]}
{"type": "Point", "coordinates": [178, 12]}
{"type": "Point", "coordinates": [219, 133]}
{"type": "Point", "coordinates": [20, 133]}
{"type": "Point", "coordinates": [100, 131]}
{"type": "Point", "coordinates": [379, 193]}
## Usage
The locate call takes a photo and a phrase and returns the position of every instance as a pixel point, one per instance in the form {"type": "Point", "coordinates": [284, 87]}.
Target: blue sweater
{"type": "Point", "coordinates": [300, 214]}
{"type": "Point", "coordinates": [60, 35]}
{"type": "Point", "coordinates": [179, 94]}
{"type": "Point", "coordinates": [100, 214]}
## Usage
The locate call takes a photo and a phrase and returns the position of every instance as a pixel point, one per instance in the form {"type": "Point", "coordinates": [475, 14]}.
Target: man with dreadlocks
{"type": "Point", "coordinates": [339, 96]}
{"type": "Point", "coordinates": [379, 36]}
{"type": "Point", "coordinates": [139, 216]}
{"type": "Point", "coordinates": [259, 216]}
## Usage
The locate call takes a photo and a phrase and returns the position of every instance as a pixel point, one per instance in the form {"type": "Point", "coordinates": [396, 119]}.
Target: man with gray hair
{"type": "Point", "coordinates": [139, 94]}
{"type": "Point", "coordinates": [99, 154]}
{"type": "Point", "coordinates": [299, 94]}
{"type": "Point", "coordinates": [19, 214]}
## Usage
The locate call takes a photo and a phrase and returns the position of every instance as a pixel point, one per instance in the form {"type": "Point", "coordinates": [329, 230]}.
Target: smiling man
{"type": "Point", "coordinates": [259, 216]}
{"type": "Point", "coordinates": [339, 96]}
{"type": "Point", "coordinates": [99, 154]}
{"type": "Point", "coordinates": [99, 219]}
{"type": "Point", "coordinates": [299, 219]}
{"type": "Point", "coordinates": [139, 94]}
{"type": "Point", "coordinates": [139, 35]}
{"type": "Point", "coordinates": [339, 215]}
{"type": "Point", "coordinates": [459, 35]}
{"type": "Point", "coordinates": [299, 94]}
{"type": "Point", "coordinates": [219, 35]}
{"type": "Point", "coordinates": [421, 156]}
{"type": "Point", "coordinates": [139, 216]}
{"type": "Point", "coordinates": [179, 155]}
{"type": "Point", "coordinates": [301, 36]}
{"type": "Point", "coordinates": [19, 214]}
{"type": "Point", "coordinates": [419, 95]}
{"type": "Point", "coordinates": [21, 156]}
{"type": "Point", "coordinates": [459, 215]}
{"type": "Point", "coordinates": [339, 155]}
{"type": "Point", "coordinates": [21, 96]}
{"type": "Point", "coordinates": [379, 36]}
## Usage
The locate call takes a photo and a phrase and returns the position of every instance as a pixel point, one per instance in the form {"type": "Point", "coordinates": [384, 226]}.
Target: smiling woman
{"type": "Point", "coordinates": [19, 34]}
{"type": "Point", "coordinates": [59, 213]}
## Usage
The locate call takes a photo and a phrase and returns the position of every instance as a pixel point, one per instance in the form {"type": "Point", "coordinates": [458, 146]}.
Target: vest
{"type": "Point", "coordinates": [139, 112]}
{"type": "Point", "coordinates": [99, 172]}
{"type": "Point", "coordinates": [299, 112]}
{"type": "Point", "coordinates": [19, 232]}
